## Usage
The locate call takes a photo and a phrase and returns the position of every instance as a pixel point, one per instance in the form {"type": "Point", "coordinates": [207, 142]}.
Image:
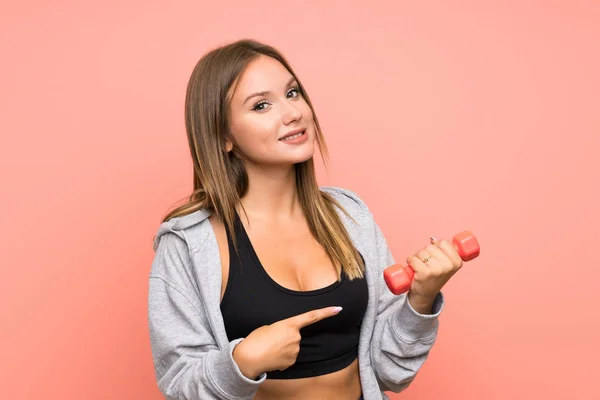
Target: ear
{"type": "Point", "coordinates": [228, 145]}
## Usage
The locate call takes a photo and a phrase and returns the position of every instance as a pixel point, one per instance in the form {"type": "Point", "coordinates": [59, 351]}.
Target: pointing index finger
{"type": "Point", "coordinates": [314, 316]}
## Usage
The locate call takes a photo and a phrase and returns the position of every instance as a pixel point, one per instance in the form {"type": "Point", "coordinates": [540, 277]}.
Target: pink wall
{"type": "Point", "coordinates": [444, 116]}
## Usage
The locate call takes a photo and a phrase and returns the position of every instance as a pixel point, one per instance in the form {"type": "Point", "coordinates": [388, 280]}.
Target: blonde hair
{"type": "Point", "coordinates": [220, 178]}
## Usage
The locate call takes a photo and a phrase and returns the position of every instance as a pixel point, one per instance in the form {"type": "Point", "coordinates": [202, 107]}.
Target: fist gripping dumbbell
{"type": "Point", "coordinates": [399, 277]}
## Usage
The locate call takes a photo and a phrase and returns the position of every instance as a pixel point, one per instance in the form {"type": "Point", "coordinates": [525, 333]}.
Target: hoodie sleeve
{"type": "Point", "coordinates": [187, 361]}
{"type": "Point", "coordinates": [402, 337]}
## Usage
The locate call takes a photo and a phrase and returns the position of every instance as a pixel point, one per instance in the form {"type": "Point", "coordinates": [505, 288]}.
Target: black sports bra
{"type": "Point", "coordinates": [253, 299]}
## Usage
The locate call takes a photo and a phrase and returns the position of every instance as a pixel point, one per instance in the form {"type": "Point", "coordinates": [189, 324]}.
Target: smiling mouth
{"type": "Point", "coordinates": [291, 137]}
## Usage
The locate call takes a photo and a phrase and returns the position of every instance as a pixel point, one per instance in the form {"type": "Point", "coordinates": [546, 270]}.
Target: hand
{"type": "Point", "coordinates": [276, 346]}
{"type": "Point", "coordinates": [443, 261]}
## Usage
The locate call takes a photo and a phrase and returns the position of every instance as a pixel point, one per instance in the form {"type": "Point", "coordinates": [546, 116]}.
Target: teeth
{"type": "Point", "coordinates": [293, 136]}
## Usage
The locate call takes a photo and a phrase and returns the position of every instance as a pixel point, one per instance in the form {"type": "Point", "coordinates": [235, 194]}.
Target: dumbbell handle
{"type": "Point", "coordinates": [398, 278]}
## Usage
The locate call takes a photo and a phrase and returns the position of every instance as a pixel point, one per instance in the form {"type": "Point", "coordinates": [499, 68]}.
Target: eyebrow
{"type": "Point", "coordinates": [267, 92]}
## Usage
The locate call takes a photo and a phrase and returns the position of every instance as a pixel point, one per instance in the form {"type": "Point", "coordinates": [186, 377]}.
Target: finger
{"type": "Point", "coordinates": [421, 255]}
{"type": "Point", "coordinates": [435, 265]}
{"type": "Point", "coordinates": [418, 266]}
{"type": "Point", "coordinates": [449, 249]}
{"type": "Point", "coordinates": [441, 257]}
{"type": "Point", "coordinates": [311, 317]}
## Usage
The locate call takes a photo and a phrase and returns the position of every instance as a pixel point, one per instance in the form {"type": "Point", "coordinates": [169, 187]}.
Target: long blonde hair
{"type": "Point", "coordinates": [220, 178]}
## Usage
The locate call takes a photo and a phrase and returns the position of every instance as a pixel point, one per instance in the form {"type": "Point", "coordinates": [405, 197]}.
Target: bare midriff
{"type": "Point", "coordinates": [343, 384]}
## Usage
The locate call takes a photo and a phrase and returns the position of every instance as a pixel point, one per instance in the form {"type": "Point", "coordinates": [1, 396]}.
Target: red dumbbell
{"type": "Point", "coordinates": [399, 277]}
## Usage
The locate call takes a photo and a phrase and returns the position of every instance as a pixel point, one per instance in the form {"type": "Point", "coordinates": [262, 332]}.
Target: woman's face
{"type": "Point", "coordinates": [266, 107]}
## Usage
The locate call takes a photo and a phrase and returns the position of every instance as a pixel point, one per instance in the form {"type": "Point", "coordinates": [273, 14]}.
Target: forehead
{"type": "Point", "coordinates": [262, 74]}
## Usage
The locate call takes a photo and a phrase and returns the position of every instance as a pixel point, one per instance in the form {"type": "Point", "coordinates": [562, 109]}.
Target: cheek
{"type": "Point", "coordinates": [252, 135]}
{"type": "Point", "coordinates": [306, 111]}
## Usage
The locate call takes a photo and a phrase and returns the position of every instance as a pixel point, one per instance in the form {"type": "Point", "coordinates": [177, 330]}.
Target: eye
{"type": "Point", "coordinates": [295, 89]}
{"type": "Point", "coordinates": [261, 105]}
{"type": "Point", "coordinates": [257, 106]}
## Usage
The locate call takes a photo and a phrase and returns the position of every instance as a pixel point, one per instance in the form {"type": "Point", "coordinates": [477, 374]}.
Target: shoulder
{"type": "Point", "coordinates": [181, 227]}
{"type": "Point", "coordinates": [179, 231]}
{"type": "Point", "coordinates": [348, 199]}
{"type": "Point", "coordinates": [174, 245]}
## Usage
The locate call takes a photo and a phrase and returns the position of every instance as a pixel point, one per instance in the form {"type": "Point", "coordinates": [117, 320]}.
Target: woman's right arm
{"type": "Point", "coordinates": [187, 361]}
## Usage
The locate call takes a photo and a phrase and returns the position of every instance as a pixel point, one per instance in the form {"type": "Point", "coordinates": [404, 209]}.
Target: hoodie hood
{"type": "Point", "coordinates": [178, 224]}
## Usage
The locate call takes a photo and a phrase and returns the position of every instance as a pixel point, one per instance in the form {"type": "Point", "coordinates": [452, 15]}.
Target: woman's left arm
{"type": "Point", "coordinates": [404, 331]}
{"type": "Point", "coordinates": [403, 336]}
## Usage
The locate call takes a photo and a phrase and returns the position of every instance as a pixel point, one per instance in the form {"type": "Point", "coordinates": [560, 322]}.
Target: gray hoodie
{"type": "Point", "coordinates": [192, 354]}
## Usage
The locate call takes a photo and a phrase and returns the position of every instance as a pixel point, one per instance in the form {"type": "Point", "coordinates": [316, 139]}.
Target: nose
{"type": "Point", "coordinates": [290, 113]}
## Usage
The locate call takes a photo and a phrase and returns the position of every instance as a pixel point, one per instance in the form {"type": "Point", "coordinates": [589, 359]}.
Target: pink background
{"type": "Point", "coordinates": [443, 116]}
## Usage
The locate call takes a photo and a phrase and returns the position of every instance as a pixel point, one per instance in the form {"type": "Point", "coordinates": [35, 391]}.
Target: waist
{"type": "Point", "coordinates": [342, 384]}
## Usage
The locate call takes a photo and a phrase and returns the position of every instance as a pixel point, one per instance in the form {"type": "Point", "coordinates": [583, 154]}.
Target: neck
{"type": "Point", "coordinates": [272, 193]}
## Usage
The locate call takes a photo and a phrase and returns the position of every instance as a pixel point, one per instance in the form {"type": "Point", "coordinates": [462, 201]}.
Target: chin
{"type": "Point", "coordinates": [300, 154]}
{"type": "Point", "coordinates": [292, 160]}
{"type": "Point", "coordinates": [302, 160]}
{"type": "Point", "coordinates": [304, 157]}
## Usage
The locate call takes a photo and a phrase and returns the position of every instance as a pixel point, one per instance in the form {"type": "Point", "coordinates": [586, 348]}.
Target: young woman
{"type": "Point", "coordinates": [265, 285]}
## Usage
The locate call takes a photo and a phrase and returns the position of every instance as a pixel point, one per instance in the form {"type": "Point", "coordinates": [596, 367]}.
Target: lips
{"type": "Point", "coordinates": [292, 133]}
